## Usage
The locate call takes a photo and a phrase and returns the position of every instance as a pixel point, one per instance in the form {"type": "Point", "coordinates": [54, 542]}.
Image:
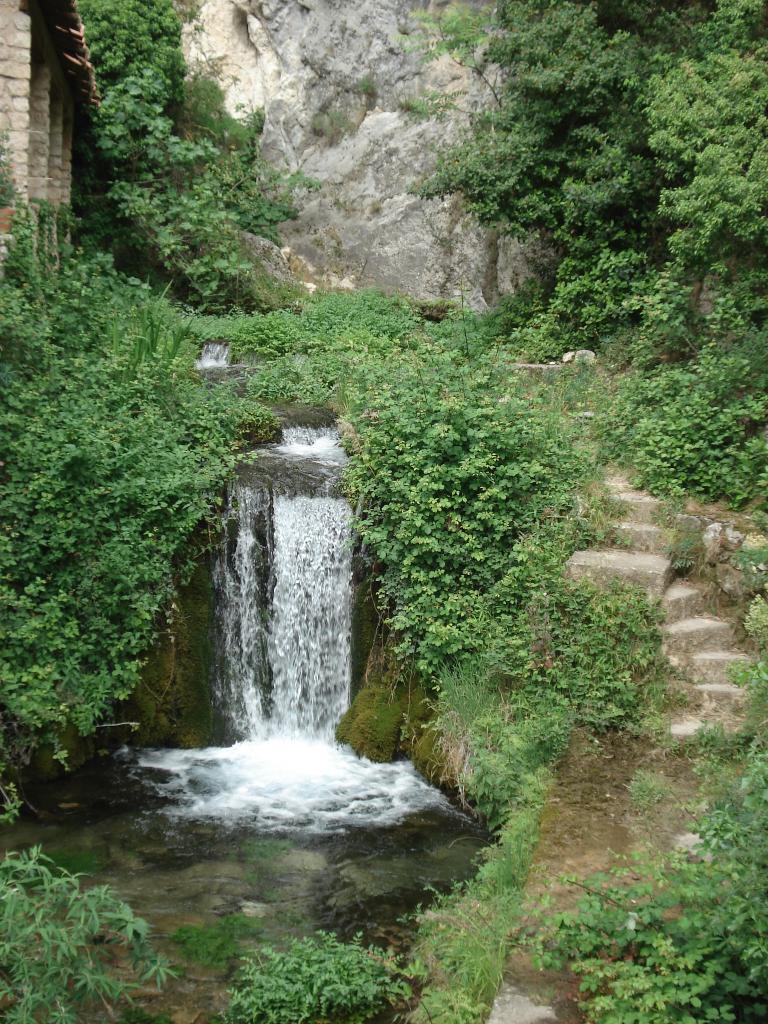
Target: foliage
{"type": "Point", "coordinates": [696, 427]}
{"type": "Point", "coordinates": [169, 178]}
{"type": "Point", "coordinates": [449, 476]}
{"type": "Point", "coordinates": [136, 36]}
{"type": "Point", "coordinates": [628, 149]}
{"type": "Point", "coordinates": [115, 453]}
{"type": "Point", "coordinates": [687, 941]}
{"type": "Point", "coordinates": [756, 623]}
{"type": "Point", "coordinates": [215, 945]}
{"type": "Point", "coordinates": [318, 978]}
{"type": "Point", "coordinates": [189, 199]}
{"type": "Point", "coordinates": [58, 943]}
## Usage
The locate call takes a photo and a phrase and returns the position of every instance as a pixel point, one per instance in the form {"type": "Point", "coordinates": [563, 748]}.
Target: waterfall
{"type": "Point", "coordinates": [309, 638]}
{"type": "Point", "coordinates": [215, 354]}
{"type": "Point", "coordinates": [283, 584]}
{"type": "Point", "coordinates": [241, 579]}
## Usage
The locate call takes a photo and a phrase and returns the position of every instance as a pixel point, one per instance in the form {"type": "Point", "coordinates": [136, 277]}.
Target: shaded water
{"type": "Point", "coordinates": [278, 824]}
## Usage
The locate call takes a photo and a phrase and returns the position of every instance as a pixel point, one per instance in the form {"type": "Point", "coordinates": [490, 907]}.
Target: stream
{"type": "Point", "coordinates": [277, 823]}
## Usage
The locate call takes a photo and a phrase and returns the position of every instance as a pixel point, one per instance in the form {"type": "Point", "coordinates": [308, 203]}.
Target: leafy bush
{"type": "Point", "coordinates": [450, 475]}
{"type": "Point", "coordinates": [168, 178]}
{"type": "Point", "coordinates": [316, 978]}
{"type": "Point", "coordinates": [687, 941]}
{"type": "Point", "coordinates": [115, 453]}
{"type": "Point", "coordinates": [136, 35]}
{"type": "Point", "coordinates": [58, 943]}
{"type": "Point", "coordinates": [696, 427]}
{"type": "Point", "coordinates": [627, 145]}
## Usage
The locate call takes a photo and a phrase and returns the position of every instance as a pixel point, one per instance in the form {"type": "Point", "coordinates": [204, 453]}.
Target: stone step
{"type": "Point", "coordinates": [641, 508]}
{"type": "Point", "coordinates": [690, 636]}
{"type": "Point", "coordinates": [715, 666]}
{"type": "Point", "coordinates": [642, 537]}
{"type": "Point", "coordinates": [650, 572]}
{"type": "Point", "coordinates": [721, 693]}
{"type": "Point", "coordinates": [514, 1007]}
{"type": "Point", "coordinates": [682, 601]}
{"type": "Point", "coordinates": [685, 728]}
{"type": "Point", "coordinates": [617, 482]}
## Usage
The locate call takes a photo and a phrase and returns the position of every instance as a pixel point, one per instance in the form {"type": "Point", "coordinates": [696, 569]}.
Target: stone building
{"type": "Point", "coordinates": [44, 72]}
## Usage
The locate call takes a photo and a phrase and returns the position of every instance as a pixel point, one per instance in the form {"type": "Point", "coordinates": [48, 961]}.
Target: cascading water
{"type": "Point", "coordinates": [309, 639]}
{"type": "Point", "coordinates": [215, 354]}
{"type": "Point", "coordinates": [283, 581]}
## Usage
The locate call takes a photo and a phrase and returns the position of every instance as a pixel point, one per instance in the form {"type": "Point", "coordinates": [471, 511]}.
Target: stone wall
{"type": "Point", "coordinates": [36, 105]}
{"type": "Point", "coordinates": [15, 75]}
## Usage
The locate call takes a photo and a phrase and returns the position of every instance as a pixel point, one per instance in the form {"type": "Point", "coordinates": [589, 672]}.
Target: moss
{"type": "Point", "coordinates": [215, 945]}
{"type": "Point", "coordinates": [78, 862]}
{"type": "Point", "coordinates": [427, 756]}
{"type": "Point", "coordinates": [79, 749]}
{"type": "Point", "coordinates": [172, 703]}
{"type": "Point", "coordinates": [365, 620]}
{"type": "Point", "coordinates": [135, 1015]}
{"type": "Point", "coordinates": [390, 715]}
{"type": "Point", "coordinates": [372, 724]}
{"type": "Point", "coordinates": [420, 739]}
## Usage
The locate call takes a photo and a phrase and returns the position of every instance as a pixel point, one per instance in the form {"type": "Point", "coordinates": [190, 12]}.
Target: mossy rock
{"type": "Point", "coordinates": [372, 725]}
{"type": "Point", "coordinates": [427, 757]}
{"type": "Point", "coordinates": [172, 703]}
{"type": "Point", "coordinates": [79, 749]}
{"type": "Point", "coordinates": [365, 620]}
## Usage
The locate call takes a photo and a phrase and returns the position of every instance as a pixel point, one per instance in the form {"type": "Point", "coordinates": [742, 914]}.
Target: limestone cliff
{"type": "Point", "coordinates": [334, 77]}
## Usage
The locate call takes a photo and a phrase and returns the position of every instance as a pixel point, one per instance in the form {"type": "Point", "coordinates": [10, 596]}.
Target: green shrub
{"type": "Point", "coordinates": [449, 475]}
{"type": "Point", "coordinates": [215, 945]}
{"type": "Point", "coordinates": [59, 943]}
{"type": "Point", "coordinates": [696, 427]}
{"type": "Point", "coordinates": [687, 941]}
{"type": "Point", "coordinates": [116, 452]}
{"type": "Point", "coordinates": [127, 38]}
{"type": "Point", "coordinates": [315, 979]}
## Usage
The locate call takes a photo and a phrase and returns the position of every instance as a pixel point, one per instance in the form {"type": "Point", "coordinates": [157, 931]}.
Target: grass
{"type": "Point", "coordinates": [215, 945]}
{"type": "Point", "coordinates": [647, 789]}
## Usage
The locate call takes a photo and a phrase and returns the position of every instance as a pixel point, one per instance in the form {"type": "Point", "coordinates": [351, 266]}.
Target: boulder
{"type": "Point", "coordinates": [584, 356]}
{"type": "Point", "coordinates": [730, 580]}
{"type": "Point", "coordinates": [720, 540]}
{"type": "Point", "coordinates": [266, 254]}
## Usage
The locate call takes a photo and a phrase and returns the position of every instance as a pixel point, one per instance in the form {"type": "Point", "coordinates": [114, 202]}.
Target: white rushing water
{"type": "Point", "coordinates": [215, 354]}
{"type": "Point", "coordinates": [284, 597]}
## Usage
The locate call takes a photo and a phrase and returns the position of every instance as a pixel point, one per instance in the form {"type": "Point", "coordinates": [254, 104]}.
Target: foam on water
{"type": "Point", "coordinates": [215, 354]}
{"type": "Point", "coordinates": [318, 445]}
{"type": "Point", "coordinates": [288, 784]}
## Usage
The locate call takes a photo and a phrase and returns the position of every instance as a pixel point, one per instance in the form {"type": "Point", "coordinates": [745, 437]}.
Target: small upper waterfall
{"type": "Point", "coordinates": [283, 582]}
{"type": "Point", "coordinates": [215, 354]}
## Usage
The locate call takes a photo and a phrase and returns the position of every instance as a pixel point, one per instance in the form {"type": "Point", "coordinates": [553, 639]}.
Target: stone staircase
{"type": "Point", "coordinates": [702, 647]}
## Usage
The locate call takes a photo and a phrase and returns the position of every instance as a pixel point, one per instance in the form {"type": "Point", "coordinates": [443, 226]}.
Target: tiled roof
{"type": "Point", "coordinates": [66, 30]}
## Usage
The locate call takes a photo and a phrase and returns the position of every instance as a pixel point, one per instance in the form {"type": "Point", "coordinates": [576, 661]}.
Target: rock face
{"type": "Point", "coordinates": [334, 79]}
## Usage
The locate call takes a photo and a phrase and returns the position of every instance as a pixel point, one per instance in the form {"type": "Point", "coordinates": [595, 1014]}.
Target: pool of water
{"type": "Point", "coordinates": [290, 836]}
